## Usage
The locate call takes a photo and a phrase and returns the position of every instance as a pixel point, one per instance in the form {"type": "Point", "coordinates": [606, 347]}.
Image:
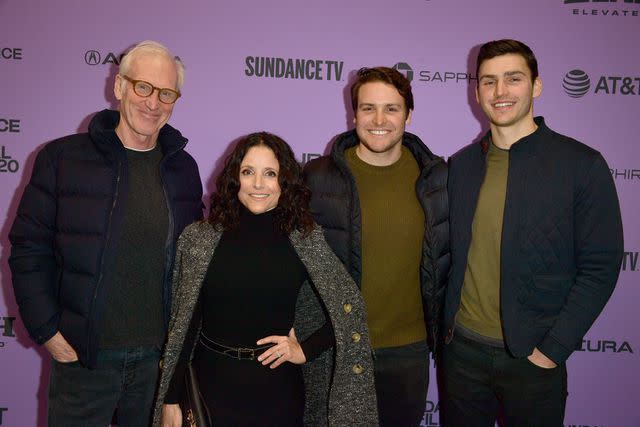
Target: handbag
{"type": "Point", "coordinates": [194, 410]}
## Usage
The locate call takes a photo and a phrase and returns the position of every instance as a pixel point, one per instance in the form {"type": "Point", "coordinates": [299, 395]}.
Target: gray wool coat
{"type": "Point", "coordinates": [339, 383]}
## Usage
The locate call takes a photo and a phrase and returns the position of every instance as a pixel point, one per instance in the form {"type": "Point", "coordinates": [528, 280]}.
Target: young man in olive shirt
{"type": "Point", "coordinates": [536, 246]}
{"type": "Point", "coordinates": [381, 199]}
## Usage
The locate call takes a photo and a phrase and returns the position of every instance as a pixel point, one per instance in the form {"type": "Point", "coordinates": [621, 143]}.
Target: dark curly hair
{"type": "Point", "coordinates": [293, 204]}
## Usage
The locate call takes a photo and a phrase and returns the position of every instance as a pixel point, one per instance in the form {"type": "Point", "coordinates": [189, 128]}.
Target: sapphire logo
{"type": "Point", "coordinates": [432, 76]}
{"type": "Point", "coordinates": [92, 57]}
{"type": "Point", "coordinates": [405, 69]}
{"type": "Point", "coordinates": [576, 83]}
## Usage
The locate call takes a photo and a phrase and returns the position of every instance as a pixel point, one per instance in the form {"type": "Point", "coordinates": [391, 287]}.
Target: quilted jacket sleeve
{"type": "Point", "coordinates": [32, 260]}
{"type": "Point", "coordinates": [598, 253]}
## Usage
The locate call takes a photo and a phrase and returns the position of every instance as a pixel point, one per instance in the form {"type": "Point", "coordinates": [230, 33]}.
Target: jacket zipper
{"type": "Point", "coordinates": [104, 250]}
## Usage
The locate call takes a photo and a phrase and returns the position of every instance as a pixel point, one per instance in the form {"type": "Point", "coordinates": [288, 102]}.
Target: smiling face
{"type": "Point", "coordinates": [506, 91]}
{"type": "Point", "coordinates": [142, 118]}
{"type": "Point", "coordinates": [259, 186]}
{"type": "Point", "coordinates": [381, 116]}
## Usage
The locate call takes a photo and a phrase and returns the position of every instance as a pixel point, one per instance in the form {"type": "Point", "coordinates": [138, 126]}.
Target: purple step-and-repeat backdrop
{"type": "Point", "coordinates": [58, 61]}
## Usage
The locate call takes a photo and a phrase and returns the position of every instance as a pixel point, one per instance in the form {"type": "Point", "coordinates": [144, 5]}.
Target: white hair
{"type": "Point", "coordinates": [150, 47]}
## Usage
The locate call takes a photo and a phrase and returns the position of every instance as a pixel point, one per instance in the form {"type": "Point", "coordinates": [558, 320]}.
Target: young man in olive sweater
{"type": "Point", "coordinates": [381, 198]}
{"type": "Point", "coordinates": [536, 245]}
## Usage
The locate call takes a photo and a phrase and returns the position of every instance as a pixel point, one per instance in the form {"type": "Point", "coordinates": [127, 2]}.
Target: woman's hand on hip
{"type": "Point", "coordinates": [285, 349]}
{"type": "Point", "coordinates": [171, 415]}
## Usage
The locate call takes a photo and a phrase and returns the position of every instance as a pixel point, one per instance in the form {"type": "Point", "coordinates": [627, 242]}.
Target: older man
{"type": "Point", "coordinates": [93, 245]}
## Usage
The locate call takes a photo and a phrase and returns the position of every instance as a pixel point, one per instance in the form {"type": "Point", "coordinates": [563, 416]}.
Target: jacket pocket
{"type": "Point", "coordinates": [549, 292]}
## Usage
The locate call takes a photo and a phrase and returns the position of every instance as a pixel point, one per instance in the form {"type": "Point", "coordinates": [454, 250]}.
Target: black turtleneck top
{"type": "Point", "coordinates": [249, 292]}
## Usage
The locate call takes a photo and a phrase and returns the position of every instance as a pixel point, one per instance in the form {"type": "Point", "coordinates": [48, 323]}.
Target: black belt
{"type": "Point", "coordinates": [240, 353]}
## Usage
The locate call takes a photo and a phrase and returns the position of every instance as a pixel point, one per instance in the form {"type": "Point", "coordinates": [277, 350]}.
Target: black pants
{"type": "Point", "coordinates": [402, 377]}
{"type": "Point", "coordinates": [125, 379]}
{"type": "Point", "coordinates": [481, 380]}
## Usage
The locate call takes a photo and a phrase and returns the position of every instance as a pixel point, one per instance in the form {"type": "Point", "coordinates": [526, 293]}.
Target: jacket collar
{"type": "Point", "coordinates": [526, 144]}
{"type": "Point", "coordinates": [102, 130]}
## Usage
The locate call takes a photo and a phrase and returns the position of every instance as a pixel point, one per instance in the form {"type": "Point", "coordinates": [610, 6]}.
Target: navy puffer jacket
{"type": "Point", "coordinates": [63, 234]}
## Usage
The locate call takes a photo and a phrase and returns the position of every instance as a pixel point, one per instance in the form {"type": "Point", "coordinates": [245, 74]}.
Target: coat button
{"type": "Point", "coordinates": [355, 337]}
{"type": "Point", "coordinates": [347, 307]}
{"type": "Point", "coordinates": [357, 369]}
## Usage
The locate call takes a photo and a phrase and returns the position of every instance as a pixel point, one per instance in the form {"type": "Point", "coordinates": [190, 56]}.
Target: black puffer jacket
{"type": "Point", "coordinates": [63, 234]}
{"type": "Point", "coordinates": [336, 207]}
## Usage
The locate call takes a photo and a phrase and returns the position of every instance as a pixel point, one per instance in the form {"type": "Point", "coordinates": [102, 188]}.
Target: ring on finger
{"type": "Point", "coordinates": [278, 355]}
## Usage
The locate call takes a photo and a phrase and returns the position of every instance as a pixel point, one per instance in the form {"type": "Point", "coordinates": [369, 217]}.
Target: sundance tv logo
{"type": "Point", "coordinates": [577, 83]}
{"type": "Point", "coordinates": [605, 8]}
{"type": "Point", "coordinates": [431, 76]}
{"type": "Point", "coordinates": [293, 68]}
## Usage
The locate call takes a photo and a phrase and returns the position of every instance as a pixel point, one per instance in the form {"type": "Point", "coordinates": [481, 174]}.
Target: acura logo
{"type": "Point", "coordinates": [92, 57]}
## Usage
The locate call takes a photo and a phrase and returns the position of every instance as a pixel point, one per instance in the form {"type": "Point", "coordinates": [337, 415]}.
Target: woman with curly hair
{"type": "Point", "coordinates": [272, 324]}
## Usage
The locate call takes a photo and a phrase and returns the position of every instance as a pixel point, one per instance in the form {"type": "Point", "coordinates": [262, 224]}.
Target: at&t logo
{"type": "Point", "coordinates": [576, 84]}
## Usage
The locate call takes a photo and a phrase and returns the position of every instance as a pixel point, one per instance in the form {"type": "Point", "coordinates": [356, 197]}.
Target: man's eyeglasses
{"type": "Point", "coordinates": [145, 89]}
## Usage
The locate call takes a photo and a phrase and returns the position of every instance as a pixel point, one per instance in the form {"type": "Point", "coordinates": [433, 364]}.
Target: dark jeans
{"type": "Point", "coordinates": [402, 377]}
{"type": "Point", "coordinates": [481, 380]}
{"type": "Point", "coordinates": [125, 379]}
